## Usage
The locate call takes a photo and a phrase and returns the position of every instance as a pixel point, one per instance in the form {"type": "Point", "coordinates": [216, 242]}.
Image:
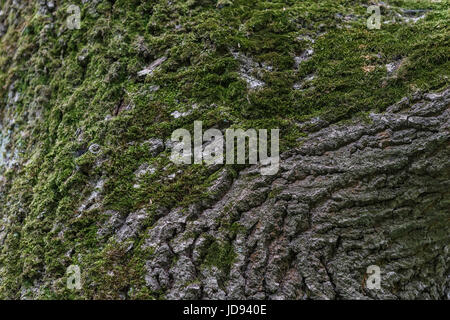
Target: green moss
{"type": "Point", "coordinates": [220, 255]}
{"type": "Point", "coordinates": [275, 192]}
{"type": "Point", "coordinates": [79, 87]}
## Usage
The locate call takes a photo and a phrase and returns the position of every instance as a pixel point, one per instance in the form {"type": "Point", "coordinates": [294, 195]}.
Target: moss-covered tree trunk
{"type": "Point", "coordinates": [87, 108]}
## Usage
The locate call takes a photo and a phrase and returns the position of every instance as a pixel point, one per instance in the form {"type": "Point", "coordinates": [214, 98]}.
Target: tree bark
{"type": "Point", "coordinates": [354, 195]}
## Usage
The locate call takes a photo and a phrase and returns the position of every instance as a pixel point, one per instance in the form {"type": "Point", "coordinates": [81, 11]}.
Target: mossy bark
{"type": "Point", "coordinates": [85, 174]}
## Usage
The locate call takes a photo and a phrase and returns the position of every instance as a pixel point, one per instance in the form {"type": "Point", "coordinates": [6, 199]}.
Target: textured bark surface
{"type": "Point", "coordinates": [354, 195]}
{"type": "Point", "coordinates": [86, 177]}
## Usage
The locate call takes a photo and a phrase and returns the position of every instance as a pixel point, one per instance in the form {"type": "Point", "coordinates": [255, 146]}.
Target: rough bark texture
{"type": "Point", "coordinates": [86, 117]}
{"type": "Point", "coordinates": [354, 195]}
